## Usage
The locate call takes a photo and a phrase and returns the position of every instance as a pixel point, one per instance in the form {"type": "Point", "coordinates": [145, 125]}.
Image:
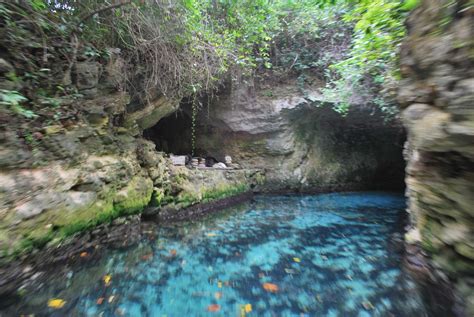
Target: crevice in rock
{"type": "Point", "coordinates": [172, 134]}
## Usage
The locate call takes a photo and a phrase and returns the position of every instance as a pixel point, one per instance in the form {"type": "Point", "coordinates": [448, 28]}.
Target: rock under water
{"type": "Point", "coordinates": [330, 254]}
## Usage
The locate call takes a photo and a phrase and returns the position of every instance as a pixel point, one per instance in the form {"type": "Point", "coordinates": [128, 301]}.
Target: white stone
{"type": "Point", "coordinates": [219, 165]}
{"type": "Point", "coordinates": [413, 236]}
{"type": "Point", "coordinates": [179, 160]}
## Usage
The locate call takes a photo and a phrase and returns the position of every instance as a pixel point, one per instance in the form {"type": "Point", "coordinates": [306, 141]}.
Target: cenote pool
{"type": "Point", "coordinates": [321, 255]}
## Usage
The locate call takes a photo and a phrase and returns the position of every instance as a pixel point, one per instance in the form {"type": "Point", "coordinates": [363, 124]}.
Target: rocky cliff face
{"type": "Point", "coordinates": [302, 146]}
{"type": "Point", "coordinates": [438, 99]}
{"type": "Point", "coordinates": [91, 166]}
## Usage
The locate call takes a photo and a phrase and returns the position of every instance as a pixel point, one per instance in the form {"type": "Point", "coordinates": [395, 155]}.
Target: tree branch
{"type": "Point", "coordinates": [100, 10]}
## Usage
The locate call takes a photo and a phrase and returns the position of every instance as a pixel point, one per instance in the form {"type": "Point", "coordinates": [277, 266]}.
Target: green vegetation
{"type": "Point", "coordinates": [186, 47]}
{"type": "Point", "coordinates": [13, 99]}
{"type": "Point", "coordinates": [371, 64]}
{"type": "Point", "coordinates": [64, 223]}
{"type": "Point", "coordinates": [186, 199]}
{"type": "Point", "coordinates": [224, 192]}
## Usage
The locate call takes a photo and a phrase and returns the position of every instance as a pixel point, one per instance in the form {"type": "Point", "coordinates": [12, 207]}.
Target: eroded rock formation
{"type": "Point", "coordinates": [300, 145]}
{"type": "Point", "coordinates": [437, 95]}
{"type": "Point", "coordinates": [91, 166]}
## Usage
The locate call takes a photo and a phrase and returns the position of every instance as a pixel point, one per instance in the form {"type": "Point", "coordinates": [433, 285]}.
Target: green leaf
{"type": "Point", "coordinates": [38, 5]}
{"type": "Point", "coordinates": [409, 5]}
{"type": "Point", "coordinates": [11, 97]}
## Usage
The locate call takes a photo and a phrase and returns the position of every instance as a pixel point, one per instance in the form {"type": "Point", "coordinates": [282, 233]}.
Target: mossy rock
{"type": "Point", "coordinates": [54, 226]}
{"type": "Point", "coordinates": [465, 250]}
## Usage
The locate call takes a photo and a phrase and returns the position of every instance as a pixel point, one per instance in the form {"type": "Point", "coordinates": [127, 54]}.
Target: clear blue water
{"type": "Point", "coordinates": [328, 255]}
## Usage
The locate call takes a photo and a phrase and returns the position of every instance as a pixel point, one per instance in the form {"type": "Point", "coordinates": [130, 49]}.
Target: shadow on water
{"type": "Point", "coordinates": [323, 255]}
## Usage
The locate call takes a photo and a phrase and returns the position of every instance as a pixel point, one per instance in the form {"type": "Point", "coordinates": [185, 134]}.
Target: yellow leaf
{"type": "Point", "coordinates": [297, 260]}
{"type": "Point", "coordinates": [211, 234]}
{"type": "Point", "coordinates": [219, 284]}
{"type": "Point", "coordinates": [248, 308]}
{"type": "Point", "coordinates": [56, 303]}
{"type": "Point", "coordinates": [111, 298]}
{"type": "Point", "coordinates": [107, 279]}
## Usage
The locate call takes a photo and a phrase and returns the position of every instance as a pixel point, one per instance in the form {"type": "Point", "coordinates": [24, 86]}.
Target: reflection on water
{"type": "Point", "coordinates": [324, 255]}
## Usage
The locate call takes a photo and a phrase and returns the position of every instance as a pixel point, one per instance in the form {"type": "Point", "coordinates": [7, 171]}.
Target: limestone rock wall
{"type": "Point", "coordinates": [437, 94]}
{"type": "Point", "coordinates": [301, 146]}
{"type": "Point", "coordinates": [68, 176]}
{"type": "Point", "coordinates": [63, 178]}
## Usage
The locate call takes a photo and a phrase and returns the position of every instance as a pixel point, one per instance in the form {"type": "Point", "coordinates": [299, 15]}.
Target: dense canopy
{"type": "Point", "coordinates": [181, 48]}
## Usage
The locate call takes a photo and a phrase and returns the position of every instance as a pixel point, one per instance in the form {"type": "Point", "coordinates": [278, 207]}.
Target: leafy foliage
{"type": "Point", "coordinates": [13, 99]}
{"type": "Point", "coordinates": [180, 48]}
{"type": "Point", "coordinates": [371, 67]}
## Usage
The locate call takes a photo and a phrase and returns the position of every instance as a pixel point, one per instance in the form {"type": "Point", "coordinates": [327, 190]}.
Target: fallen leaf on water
{"type": "Point", "coordinates": [111, 298]}
{"type": "Point", "coordinates": [219, 284]}
{"type": "Point", "coordinates": [248, 308]}
{"type": "Point", "coordinates": [100, 300]}
{"type": "Point", "coordinates": [56, 303]}
{"type": "Point", "coordinates": [173, 252]}
{"type": "Point", "coordinates": [289, 271]}
{"type": "Point", "coordinates": [270, 287]}
{"type": "Point", "coordinates": [147, 257]}
{"type": "Point", "coordinates": [107, 278]}
{"type": "Point", "coordinates": [297, 260]}
{"type": "Point", "coordinates": [213, 308]}
{"type": "Point", "coordinates": [211, 234]}
{"type": "Point", "coordinates": [83, 254]}
{"type": "Point", "coordinates": [218, 295]}
{"type": "Point", "coordinates": [368, 305]}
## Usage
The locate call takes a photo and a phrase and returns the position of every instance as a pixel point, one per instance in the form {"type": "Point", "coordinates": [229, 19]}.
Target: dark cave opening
{"type": "Point", "coordinates": [348, 139]}
{"type": "Point", "coordinates": [172, 134]}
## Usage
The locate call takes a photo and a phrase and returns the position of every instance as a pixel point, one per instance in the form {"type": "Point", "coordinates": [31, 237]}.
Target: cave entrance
{"type": "Point", "coordinates": [172, 134]}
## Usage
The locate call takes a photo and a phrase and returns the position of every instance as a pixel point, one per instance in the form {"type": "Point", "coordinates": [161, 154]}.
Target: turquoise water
{"type": "Point", "coordinates": [322, 255]}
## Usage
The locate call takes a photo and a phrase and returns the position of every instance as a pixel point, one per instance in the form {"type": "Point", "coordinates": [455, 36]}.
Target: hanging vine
{"type": "Point", "coordinates": [194, 107]}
